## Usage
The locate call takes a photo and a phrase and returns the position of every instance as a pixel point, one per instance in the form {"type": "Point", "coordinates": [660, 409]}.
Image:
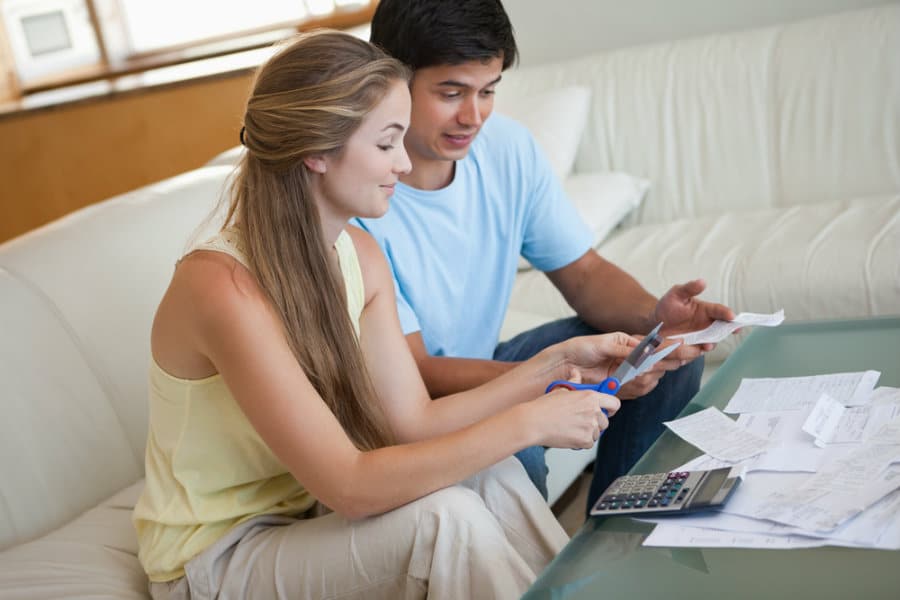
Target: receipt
{"type": "Point", "coordinates": [719, 330]}
{"type": "Point", "coordinates": [824, 420]}
{"type": "Point", "coordinates": [718, 435]}
{"type": "Point", "coordinates": [795, 393]}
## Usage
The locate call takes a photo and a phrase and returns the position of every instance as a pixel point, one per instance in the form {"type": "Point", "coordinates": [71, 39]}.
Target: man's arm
{"type": "Point", "coordinates": [445, 375]}
{"type": "Point", "coordinates": [604, 296]}
{"type": "Point", "coordinates": [609, 299]}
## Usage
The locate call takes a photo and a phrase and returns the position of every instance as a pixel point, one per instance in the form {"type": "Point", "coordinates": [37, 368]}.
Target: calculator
{"type": "Point", "coordinates": [675, 492]}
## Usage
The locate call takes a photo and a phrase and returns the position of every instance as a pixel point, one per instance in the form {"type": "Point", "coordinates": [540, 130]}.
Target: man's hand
{"type": "Point", "coordinates": [641, 385]}
{"type": "Point", "coordinates": [644, 383]}
{"type": "Point", "coordinates": [682, 312]}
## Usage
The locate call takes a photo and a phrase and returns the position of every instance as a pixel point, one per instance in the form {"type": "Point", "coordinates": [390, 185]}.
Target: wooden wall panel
{"type": "Point", "coordinates": [9, 81]}
{"type": "Point", "coordinates": [58, 160]}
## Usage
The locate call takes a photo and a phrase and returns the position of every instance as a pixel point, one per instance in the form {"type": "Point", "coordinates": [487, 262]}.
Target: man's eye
{"type": "Point", "coordinates": [385, 147]}
{"type": "Point", "coordinates": [488, 92]}
{"type": "Point", "coordinates": [450, 95]}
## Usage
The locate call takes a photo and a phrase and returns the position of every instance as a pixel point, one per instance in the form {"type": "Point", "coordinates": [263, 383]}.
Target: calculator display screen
{"type": "Point", "coordinates": [710, 487]}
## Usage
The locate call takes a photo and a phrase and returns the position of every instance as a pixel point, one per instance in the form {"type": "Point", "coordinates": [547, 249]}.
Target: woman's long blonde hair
{"type": "Point", "coordinates": [308, 100]}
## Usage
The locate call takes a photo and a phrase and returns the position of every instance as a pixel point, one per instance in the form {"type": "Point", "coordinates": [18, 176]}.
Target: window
{"type": "Point", "coordinates": [85, 39]}
{"type": "Point", "coordinates": [49, 37]}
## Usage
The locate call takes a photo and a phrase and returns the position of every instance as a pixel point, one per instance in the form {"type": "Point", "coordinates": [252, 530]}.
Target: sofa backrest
{"type": "Point", "coordinates": [791, 114]}
{"type": "Point", "coordinates": [77, 298]}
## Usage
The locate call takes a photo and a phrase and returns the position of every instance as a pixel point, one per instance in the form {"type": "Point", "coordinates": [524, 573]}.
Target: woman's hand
{"type": "Point", "coordinates": [593, 358]}
{"type": "Point", "coordinates": [570, 418]}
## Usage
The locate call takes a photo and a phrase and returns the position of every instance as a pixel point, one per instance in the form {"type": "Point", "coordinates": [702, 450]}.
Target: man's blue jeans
{"type": "Point", "coordinates": [631, 430]}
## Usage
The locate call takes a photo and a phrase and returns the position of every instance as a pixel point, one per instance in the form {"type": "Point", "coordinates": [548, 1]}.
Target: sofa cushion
{"type": "Point", "coordinates": [93, 556]}
{"type": "Point", "coordinates": [801, 112]}
{"type": "Point", "coordinates": [105, 268]}
{"type": "Point", "coordinates": [79, 296]}
{"type": "Point", "coordinates": [602, 200]}
{"type": "Point", "coordinates": [820, 261]}
{"type": "Point", "coordinates": [555, 117]}
{"type": "Point", "coordinates": [62, 446]}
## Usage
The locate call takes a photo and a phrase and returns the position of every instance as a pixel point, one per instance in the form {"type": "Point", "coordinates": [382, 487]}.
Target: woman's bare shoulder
{"type": "Point", "coordinates": [210, 299]}
{"type": "Point", "coordinates": [374, 266]}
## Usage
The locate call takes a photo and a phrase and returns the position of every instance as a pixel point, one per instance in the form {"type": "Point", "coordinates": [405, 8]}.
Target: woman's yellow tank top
{"type": "Point", "coordinates": [206, 467]}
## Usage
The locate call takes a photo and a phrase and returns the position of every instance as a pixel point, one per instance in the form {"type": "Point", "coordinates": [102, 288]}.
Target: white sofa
{"type": "Point", "coordinates": [774, 163]}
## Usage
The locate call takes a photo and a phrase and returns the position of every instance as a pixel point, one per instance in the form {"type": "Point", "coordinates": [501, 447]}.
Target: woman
{"type": "Point", "coordinates": [280, 377]}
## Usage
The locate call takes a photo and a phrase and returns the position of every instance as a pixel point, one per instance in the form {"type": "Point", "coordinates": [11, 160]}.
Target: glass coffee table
{"type": "Point", "coordinates": [605, 559]}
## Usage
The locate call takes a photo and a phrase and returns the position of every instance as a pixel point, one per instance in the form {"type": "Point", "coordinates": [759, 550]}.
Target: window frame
{"type": "Point", "coordinates": [117, 60]}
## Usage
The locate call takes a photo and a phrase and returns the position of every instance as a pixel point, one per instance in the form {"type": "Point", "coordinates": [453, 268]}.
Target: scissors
{"type": "Point", "coordinates": [626, 371]}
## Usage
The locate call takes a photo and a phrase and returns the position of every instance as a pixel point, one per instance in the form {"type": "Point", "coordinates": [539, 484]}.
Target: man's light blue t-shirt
{"type": "Point", "coordinates": [454, 251]}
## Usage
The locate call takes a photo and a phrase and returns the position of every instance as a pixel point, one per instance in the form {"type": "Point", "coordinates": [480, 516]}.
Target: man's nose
{"type": "Point", "coordinates": [470, 112]}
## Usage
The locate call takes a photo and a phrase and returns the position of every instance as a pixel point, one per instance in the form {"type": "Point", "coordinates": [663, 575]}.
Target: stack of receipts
{"type": "Point", "coordinates": [820, 461]}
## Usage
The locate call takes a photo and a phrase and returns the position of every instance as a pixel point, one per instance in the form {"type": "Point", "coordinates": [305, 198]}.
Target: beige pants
{"type": "Point", "coordinates": [487, 537]}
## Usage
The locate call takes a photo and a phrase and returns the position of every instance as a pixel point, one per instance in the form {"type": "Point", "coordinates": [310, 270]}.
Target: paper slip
{"type": "Point", "coordinates": [719, 330]}
{"type": "Point", "coordinates": [782, 427]}
{"type": "Point", "coordinates": [888, 434]}
{"type": "Point", "coordinates": [877, 527]}
{"type": "Point", "coordinates": [826, 500]}
{"type": "Point", "coordinates": [795, 393]}
{"type": "Point", "coordinates": [783, 460]}
{"type": "Point", "coordinates": [886, 395]}
{"type": "Point", "coordinates": [860, 423]}
{"type": "Point", "coordinates": [811, 509]}
{"type": "Point", "coordinates": [672, 535]}
{"type": "Point", "coordinates": [649, 362]}
{"type": "Point", "coordinates": [824, 420]}
{"type": "Point", "coordinates": [718, 435]}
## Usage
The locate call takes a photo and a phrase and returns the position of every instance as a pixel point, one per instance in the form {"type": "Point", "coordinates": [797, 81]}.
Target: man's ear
{"type": "Point", "coordinates": [316, 164]}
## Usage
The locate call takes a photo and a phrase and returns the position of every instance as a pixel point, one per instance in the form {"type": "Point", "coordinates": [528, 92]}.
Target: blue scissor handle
{"type": "Point", "coordinates": [610, 386]}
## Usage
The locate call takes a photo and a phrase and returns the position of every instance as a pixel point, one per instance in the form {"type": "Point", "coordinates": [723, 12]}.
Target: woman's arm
{"type": "Point", "coordinates": [412, 413]}
{"type": "Point", "coordinates": [232, 324]}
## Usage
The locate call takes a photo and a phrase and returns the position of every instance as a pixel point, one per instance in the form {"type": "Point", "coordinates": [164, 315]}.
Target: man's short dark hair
{"type": "Point", "coordinates": [427, 33]}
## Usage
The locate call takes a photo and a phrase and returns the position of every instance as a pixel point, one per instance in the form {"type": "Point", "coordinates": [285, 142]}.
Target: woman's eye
{"type": "Point", "coordinates": [385, 147]}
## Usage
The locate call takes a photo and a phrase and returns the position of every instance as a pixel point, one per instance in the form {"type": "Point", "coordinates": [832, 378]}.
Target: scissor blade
{"type": "Point", "coordinates": [629, 368]}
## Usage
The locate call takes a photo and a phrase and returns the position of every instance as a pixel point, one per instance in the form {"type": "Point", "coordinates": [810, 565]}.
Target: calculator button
{"type": "Point", "coordinates": [613, 505]}
{"type": "Point", "coordinates": [640, 503]}
{"type": "Point", "coordinates": [653, 502]}
{"type": "Point", "coordinates": [602, 506]}
{"type": "Point", "coordinates": [664, 502]}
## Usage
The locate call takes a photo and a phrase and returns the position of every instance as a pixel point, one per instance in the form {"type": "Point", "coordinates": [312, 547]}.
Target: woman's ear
{"type": "Point", "coordinates": [316, 164]}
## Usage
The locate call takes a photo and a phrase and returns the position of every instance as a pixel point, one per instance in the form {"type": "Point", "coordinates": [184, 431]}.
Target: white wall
{"type": "Point", "coordinates": [549, 30]}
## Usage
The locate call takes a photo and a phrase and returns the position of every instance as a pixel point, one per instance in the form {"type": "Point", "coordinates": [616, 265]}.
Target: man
{"type": "Point", "coordinates": [480, 193]}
